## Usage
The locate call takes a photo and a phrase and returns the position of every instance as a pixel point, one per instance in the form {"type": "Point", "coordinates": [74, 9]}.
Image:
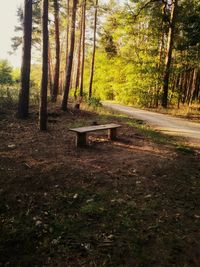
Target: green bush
{"type": "Point", "coordinates": [5, 72]}
{"type": "Point", "coordinates": [8, 97]}
{"type": "Point", "coordinates": [94, 101]}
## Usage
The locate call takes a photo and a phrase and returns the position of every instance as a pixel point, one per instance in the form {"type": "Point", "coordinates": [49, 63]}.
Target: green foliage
{"type": "Point", "coordinates": [121, 80]}
{"type": "Point", "coordinates": [5, 72]}
{"type": "Point", "coordinates": [129, 65]}
{"type": "Point", "coordinates": [9, 79]}
{"type": "Point", "coordinates": [125, 70]}
{"type": "Point", "coordinates": [185, 149]}
{"type": "Point", "coordinates": [8, 97]}
{"type": "Point", "coordinates": [94, 101]}
{"type": "Point", "coordinates": [10, 84]}
{"type": "Point", "coordinates": [189, 25]}
{"type": "Point", "coordinates": [35, 78]}
{"type": "Point", "coordinates": [36, 39]}
{"type": "Point", "coordinates": [92, 208]}
{"type": "Point", "coordinates": [16, 75]}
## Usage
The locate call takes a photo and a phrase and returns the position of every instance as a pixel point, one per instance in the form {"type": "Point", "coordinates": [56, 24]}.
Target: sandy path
{"type": "Point", "coordinates": [165, 123]}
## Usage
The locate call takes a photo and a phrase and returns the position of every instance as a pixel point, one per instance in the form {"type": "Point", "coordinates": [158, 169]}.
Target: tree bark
{"type": "Point", "coordinates": [70, 59]}
{"type": "Point", "coordinates": [57, 41]}
{"type": "Point", "coordinates": [79, 55]}
{"type": "Point", "coordinates": [44, 82]}
{"type": "Point", "coordinates": [169, 53]}
{"type": "Point", "coordinates": [193, 86]}
{"type": "Point", "coordinates": [50, 72]}
{"type": "Point", "coordinates": [94, 51]}
{"type": "Point", "coordinates": [67, 31]}
{"type": "Point", "coordinates": [161, 44]}
{"type": "Point", "coordinates": [83, 50]}
{"type": "Point", "coordinates": [23, 105]}
{"type": "Point", "coordinates": [189, 86]}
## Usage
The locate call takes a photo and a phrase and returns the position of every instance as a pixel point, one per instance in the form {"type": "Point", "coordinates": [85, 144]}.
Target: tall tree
{"type": "Point", "coordinates": [57, 42]}
{"type": "Point", "coordinates": [94, 50]}
{"type": "Point", "coordinates": [77, 81]}
{"type": "Point", "coordinates": [161, 44]}
{"type": "Point", "coordinates": [69, 60]}
{"type": "Point", "coordinates": [50, 71]}
{"type": "Point", "coordinates": [23, 105]}
{"type": "Point", "coordinates": [5, 72]}
{"type": "Point", "coordinates": [44, 82]}
{"type": "Point", "coordinates": [67, 31]}
{"type": "Point", "coordinates": [168, 59]}
{"type": "Point", "coordinates": [83, 48]}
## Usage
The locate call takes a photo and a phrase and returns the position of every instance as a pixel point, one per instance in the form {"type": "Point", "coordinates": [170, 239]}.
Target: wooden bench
{"type": "Point", "coordinates": [82, 131]}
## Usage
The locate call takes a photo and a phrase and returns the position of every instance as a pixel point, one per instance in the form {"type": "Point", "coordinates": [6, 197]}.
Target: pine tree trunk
{"type": "Point", "coordinates": [67, 31]}
{"type": "Point", "coordinates": [169, 54]}
{"type": "Point", "coordinates": [23, 105]}
{"type": "Point", "coordinates": [161, 48]}
{"type": "Point", "coordinates": [70, 59]}
{"type": "Point", "coordinates": [44, 82]}
{"type": "Point", "coordinates": [79, 55]}
{"type": "Point", "coordinates": [83, 50]}
{"type": "Point", "coordinates": [57, 42]}
{"type": "Point", "coordinates": [193, 87]}
{"type": "Point", "coordinates": [196, 92]}
{"type": "Point", "coordinates": [189, 86]}
{"type": "Point", "coordinates": [94, 51]}
{"type": "Point", "coordinates": [50, 72]}
{"type": "Point", "coordinates": [185, 85]}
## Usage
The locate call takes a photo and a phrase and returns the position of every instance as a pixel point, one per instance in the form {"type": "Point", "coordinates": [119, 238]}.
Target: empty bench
{"type": "Point", "coordinates": [81, 132]}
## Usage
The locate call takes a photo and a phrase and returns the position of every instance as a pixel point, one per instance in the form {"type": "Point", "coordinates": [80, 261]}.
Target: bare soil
{"type": "Point", "coordinates": [131, 202]}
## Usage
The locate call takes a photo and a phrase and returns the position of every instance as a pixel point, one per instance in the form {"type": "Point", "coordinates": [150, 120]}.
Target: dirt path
{"type": "Point", "coordinates": [165, 123]}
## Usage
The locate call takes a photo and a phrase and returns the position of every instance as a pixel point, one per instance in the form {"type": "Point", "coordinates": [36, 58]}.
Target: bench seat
{"type": "Point", "coordinates": [82, 131]}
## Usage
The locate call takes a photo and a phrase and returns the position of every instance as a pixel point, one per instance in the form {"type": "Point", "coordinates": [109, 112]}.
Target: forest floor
{"type": "Point", "coordinates": [131, 202]}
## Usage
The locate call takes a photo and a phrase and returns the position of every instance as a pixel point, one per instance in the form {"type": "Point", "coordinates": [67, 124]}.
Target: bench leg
{"type": "Point", "coordinates": [81, 139]}
{"type": "Point", "coordinates": [112, 134]}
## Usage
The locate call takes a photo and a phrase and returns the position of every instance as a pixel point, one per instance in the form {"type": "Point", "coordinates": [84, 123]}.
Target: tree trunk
{"type": "Point", "coordinates": [57, 41]}
{"type": "Point", "coordinates": [50, 72]}
{"type": "Point", "coordinates": [67, 37]}
{"type": "Point", "coordinates": [44, 82]}
{"type": "Point", "coordinates": [185, 86]}
{"type": "Point", "coordinates": [169, 53]}
{"type": "Point", "coordinates": [70, 58]}
{"type": "Point", "coordinates": [79, 55]}
{"type": "Point", "coordinates": [83, 50]}
{"type": "Point", "coordinates": [189, 86]}
{"type": "Point", "coordinates": [193, 87]}
{"type": "Point", "coordinates": [23, 105]}
{"type": "Point", "coordinates": [196, 92]}
{"type": "Point", "coordinates": [94, 51]}
{"type": "Point", "coordinates": [160, 49]}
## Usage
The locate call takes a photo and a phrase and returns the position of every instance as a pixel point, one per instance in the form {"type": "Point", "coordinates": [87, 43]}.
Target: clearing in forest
{"type": "Point", "coordinates": [130, 202]}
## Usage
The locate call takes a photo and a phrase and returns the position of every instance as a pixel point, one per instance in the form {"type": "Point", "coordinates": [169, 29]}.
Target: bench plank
{"type": "Point", "coordinates": [94, 128]}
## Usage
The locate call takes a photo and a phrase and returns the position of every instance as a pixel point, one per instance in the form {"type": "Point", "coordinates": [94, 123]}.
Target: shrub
{"type": "Point", "coordinates": [94, 101]}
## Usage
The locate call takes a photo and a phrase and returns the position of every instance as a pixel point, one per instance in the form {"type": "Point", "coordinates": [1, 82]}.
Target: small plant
{"type": "Point", "coordinates": [94, 101]}
{"type": "Point", "coordinates": [35, 98]}
{"type": "Point", "coordinates": [92, 208]}
{"type": "Point", "coordinates": [8, 97]}
{"type": "Point", "coordinates": [185, 150]}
